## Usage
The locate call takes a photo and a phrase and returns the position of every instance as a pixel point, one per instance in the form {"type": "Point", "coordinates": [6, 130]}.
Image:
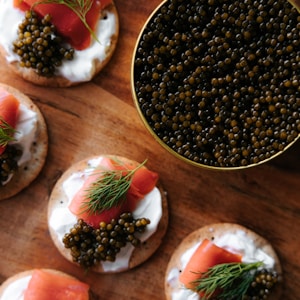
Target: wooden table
{"type": "Point", "coordinates": [100, 117]}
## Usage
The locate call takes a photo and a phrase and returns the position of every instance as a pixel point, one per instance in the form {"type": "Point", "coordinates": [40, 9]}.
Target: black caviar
{"type": "Point", "coordinates": [9, 162]}
{"type": "Point", "coordinates": [39, 46]}
{"type": "Point", "coordinates": [218, 81]}
{"type": "Point", "coordinates": [262, 285]}
{"type": "Point", "coordinates": [89, 246]}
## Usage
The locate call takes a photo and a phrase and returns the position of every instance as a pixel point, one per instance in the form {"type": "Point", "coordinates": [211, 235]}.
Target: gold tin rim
{"type": "Point", "coordinates": [164, 145]}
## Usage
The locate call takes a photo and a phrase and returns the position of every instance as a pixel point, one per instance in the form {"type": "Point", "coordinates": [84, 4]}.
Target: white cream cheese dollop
{"type": "Point", "coordinates": [15, 291]}
{"type": "Point", "coordinates": [25, 134]}
{"type": "Point", "coordinates": [62, 220]}
{"type": "Point", "coordinates": [236, 242]}
{"type": "Point", "coordinates": [79, 69]}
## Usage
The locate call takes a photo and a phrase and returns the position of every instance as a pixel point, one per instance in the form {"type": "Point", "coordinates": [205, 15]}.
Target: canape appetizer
{"type": "Point", "coordinates": [23, 141]}
{"type": "Point", "coordinates": [58, 43]}
{"type": "Point", "coordinates": [223, 261]}
{"type": "Point", "coordinates": [44, 284]}
{"type": "Point", "coordinates": [108, 213]}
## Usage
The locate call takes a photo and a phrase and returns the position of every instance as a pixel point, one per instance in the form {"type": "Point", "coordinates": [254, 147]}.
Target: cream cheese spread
{"type": "Point", "coordinates": [62, 220]}
{"type": "Point", "coordinates": [81, 68]}
{"type": "Point", "coordinates": [237, 243]}
{"type": "Point", "coordinates": [15, 291]}
{"type": "Point", "coordinates": [25, 134]}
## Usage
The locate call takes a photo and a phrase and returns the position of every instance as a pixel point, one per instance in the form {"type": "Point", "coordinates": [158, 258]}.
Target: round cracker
{"type": "Point", "coordinates": [27, 172]}
{"type": "Point", "coordinates": [58, 199]}
{"type": "Point", "coordinates": [212, 232]}
{"type": "Point", "coordinates": [24, 274]}
{"type": "Point", "coordinates": [60, 81]}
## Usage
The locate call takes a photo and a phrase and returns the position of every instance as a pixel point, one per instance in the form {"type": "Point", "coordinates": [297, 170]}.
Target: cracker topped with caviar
{"type": "Point", "coordinates": [217, 82]}
{"type": "Point", "coordinates": [23, 141]}
{"type": "Point", "coordinates": [58, 43]}
{"type": "Point", "coordinates": [108, 213]}
{"type": "Point", "coordinates": [224, 261]}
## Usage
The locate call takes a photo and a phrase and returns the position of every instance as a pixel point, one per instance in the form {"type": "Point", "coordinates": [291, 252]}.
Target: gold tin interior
{"type": "Point", "coordinates": [164, 145]}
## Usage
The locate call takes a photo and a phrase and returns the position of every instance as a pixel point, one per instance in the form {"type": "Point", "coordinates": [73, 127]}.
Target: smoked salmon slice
{"type": "Point", "coordinates": [45, 285]}
{"type": "Point", "coordinates": [66, 21]}
{"type": "Point", "coordinates": [9, 111]}
{"type": "Point", "coordinates": [143, 181]}
{"type": "Point", "coordinates": [206, 256]}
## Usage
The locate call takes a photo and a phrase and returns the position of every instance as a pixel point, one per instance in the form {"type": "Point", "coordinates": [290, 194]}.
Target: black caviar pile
{"type": "Point", "coordinates": [89, 246]}
{"type": "Point", "coordinates": [218, 81]}
{"type": "Point", "coordinates": [39, 46]}
{"type": "Point", "coordinates": [262, 285]}
{"type": "Point", "coordinates": [9, 162]}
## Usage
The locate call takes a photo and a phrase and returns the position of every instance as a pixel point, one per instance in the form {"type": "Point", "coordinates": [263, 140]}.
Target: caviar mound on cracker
{"type": "Point", "coordinates": [223, 261]}
{"type": "Point", "coordinates": [108, 213]}
{"type": "Point", "coordinates": [23, 141]}
{"type": "Point", "coordinates": [58, 43]}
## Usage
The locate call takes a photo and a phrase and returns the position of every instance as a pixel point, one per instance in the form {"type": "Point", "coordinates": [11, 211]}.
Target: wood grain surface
{"type": "Point", "coordinates": [99, 117]}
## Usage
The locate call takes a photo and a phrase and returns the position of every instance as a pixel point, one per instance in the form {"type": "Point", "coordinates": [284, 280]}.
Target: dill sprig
{"type": "Point", "coordinates": [6, 133]}
{"type": "Point", "coordinates": [109, 190]}
{"type": "Point", "coordinates": [229, 280]}
{"type": "Point", "coordinates": [79, 7]}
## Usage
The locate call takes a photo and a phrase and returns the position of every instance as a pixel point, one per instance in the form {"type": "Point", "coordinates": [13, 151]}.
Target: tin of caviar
{"type": "Point", "coordinates": [217, 83]}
